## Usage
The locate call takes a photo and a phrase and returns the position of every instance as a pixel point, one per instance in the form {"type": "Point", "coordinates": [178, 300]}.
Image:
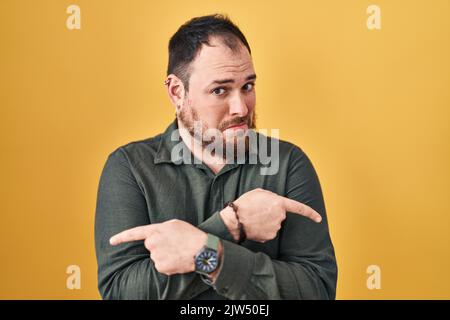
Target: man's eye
{"type": "Point", "coordinates": [218, 91]}
{"type": "Point", "coordinates": [248, 86]}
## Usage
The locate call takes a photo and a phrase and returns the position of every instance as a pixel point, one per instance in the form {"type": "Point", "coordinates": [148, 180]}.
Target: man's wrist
{"type": "Point", "coordinates": [231, 222]}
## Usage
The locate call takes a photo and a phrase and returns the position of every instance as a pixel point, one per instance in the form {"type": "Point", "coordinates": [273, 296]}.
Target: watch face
{"type": "Point", "coordinates": [206, 261]}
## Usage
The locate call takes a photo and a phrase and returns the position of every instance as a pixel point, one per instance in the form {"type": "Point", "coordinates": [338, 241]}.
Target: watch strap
{"type": "Point", "coordinates": [212, 242]}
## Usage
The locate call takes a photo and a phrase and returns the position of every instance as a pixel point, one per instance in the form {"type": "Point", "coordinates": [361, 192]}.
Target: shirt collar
{"type": "Point", "coordinates": [163, 155]}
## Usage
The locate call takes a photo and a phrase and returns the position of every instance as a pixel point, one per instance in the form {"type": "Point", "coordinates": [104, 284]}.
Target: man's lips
{"type": "Point", "coordinates": [242, 125]}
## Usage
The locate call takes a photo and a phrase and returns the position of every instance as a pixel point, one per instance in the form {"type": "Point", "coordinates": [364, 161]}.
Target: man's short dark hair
{"type": "Point", "coordinates": [189, 38]}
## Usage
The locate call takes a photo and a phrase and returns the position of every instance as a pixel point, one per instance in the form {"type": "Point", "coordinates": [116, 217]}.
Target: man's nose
{"type": "Point", "coordinates": [238, 107]}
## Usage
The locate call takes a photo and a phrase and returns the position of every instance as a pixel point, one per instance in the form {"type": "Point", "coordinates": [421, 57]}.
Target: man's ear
{"type": "Point", "coordinates": [175, 90]}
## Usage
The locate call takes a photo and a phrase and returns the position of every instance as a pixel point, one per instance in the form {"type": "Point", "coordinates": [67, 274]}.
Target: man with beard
{"type": "Point", "coordinates": [214, 228]}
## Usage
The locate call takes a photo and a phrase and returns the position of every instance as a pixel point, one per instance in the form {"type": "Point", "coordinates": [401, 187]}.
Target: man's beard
{"type": "Point", "coordinates": [194, 125]}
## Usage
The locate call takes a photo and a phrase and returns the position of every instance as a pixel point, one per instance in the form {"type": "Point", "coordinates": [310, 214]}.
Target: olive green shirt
{"type": "Point", "coordinates": [140, 185]}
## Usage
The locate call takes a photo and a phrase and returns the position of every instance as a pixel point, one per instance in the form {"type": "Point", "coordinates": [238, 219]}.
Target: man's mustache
{"type": "Point", "coordinates": [236, 121]}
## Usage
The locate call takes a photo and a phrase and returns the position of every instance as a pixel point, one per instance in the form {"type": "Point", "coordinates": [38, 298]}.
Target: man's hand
{"type": "Point", "coordinates": [173, 244]}
{"type": "Point", "coordinates": [261, 213]}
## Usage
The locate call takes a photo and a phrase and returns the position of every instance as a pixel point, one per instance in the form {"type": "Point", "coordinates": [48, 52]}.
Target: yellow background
{"type": "Point", "coordinates": [370, 108]}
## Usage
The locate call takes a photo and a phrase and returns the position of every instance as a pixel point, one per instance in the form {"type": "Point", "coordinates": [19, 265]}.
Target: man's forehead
{"type": "Point", "coordinates": [219, 59]}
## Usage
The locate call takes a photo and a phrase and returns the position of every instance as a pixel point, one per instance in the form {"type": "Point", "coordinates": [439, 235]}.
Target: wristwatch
{"type": "Point", "coordinates": [207, 259]}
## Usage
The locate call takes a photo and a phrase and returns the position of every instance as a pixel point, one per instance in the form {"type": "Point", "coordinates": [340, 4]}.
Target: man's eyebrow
{"type": "Point", "coordinates": [224, 81]}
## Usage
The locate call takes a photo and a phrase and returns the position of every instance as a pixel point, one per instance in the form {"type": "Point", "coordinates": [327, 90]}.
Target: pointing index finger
{"type": "Point", "coordinates": [134, 234]}
{"type": "Point", "coordinates": [301, 209]}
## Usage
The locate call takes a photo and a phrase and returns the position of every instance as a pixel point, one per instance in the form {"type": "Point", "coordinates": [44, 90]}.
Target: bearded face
{"type": "Point", "coordinates": [232, 132]}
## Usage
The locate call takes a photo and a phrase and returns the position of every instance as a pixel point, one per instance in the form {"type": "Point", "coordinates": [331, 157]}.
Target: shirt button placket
{"type": "Point", "coordinates": [216, 200]}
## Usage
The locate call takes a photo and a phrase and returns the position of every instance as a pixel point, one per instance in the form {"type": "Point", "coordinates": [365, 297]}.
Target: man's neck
{"type": "Point", "coordinates": [215, 163]}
